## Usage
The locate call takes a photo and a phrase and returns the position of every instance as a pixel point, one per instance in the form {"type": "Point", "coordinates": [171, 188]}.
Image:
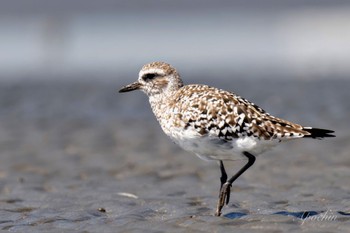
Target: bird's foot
{"type": "Point", "coordinates": [224, 198]}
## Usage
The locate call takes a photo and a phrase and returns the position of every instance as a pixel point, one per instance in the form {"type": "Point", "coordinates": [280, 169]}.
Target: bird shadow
{"type": "Point", "coordinates": [299, 214]}
{"type": "Point", "coordinates": [234, 215]}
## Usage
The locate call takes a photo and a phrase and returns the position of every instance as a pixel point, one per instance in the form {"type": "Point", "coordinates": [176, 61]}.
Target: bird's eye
{"type": "Point", "coordinates": [149, 76]}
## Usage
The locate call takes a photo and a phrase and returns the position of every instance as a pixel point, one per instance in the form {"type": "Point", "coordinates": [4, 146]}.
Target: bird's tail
{"type": "Point", "coordinates": [318, 133]}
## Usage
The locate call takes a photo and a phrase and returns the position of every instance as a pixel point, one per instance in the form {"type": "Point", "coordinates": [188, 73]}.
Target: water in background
{"type": "Point", "coordinates": [289, 39]}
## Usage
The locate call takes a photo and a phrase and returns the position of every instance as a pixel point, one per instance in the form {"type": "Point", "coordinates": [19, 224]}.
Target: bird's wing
{"type": "Point", "coordinates": [216, 112]}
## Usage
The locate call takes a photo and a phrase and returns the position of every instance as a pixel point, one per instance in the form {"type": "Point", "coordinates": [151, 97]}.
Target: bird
{"type": "Point", "coordinates": [213, 123]}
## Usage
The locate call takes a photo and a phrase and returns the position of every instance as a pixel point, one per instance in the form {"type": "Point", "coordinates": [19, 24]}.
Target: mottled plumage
{"type": "Point", "coordinates": [214, 123]}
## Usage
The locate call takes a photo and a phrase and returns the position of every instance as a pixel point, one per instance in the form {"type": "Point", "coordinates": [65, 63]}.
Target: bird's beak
{"type": "Point", "coordinates": [131, 87]}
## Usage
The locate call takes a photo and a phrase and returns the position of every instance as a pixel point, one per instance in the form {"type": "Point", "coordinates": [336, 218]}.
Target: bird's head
{"type": "Point", "coordinates": [156, 78]}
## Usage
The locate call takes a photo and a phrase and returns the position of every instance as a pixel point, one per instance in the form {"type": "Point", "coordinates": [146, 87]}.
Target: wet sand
{"type": "Point", "coordinates": [79, 156]}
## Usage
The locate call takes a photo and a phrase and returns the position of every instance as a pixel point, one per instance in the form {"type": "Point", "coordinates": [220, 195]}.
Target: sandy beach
{"type": "Point", "coordinates": [78, 156]}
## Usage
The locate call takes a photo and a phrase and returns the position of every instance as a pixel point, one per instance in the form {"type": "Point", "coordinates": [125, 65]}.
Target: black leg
{"type": "Point", "coordinates": [223, 177]}
{"type": "Point", "coordinates": [224, 196]}
{"type": "Point", "coordinates": [251, 160]}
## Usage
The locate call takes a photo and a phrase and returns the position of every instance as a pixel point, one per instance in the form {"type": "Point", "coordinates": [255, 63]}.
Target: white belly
{"type": "Point", "coordinates": [214, 148]}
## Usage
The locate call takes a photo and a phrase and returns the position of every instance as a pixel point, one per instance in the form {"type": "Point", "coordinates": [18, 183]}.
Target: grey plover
{"type": "Point", "coordinates": [213, 123]}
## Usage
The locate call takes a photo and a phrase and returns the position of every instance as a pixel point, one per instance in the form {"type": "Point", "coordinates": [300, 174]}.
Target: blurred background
{"type": "Point", "coordinates": [79, 39]}
{"type": "Point", "coordinates": [77, 155]}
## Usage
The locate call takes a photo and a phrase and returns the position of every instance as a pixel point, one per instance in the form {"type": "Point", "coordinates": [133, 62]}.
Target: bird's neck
{"type": "Point", "coordinates": [160, 103]}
